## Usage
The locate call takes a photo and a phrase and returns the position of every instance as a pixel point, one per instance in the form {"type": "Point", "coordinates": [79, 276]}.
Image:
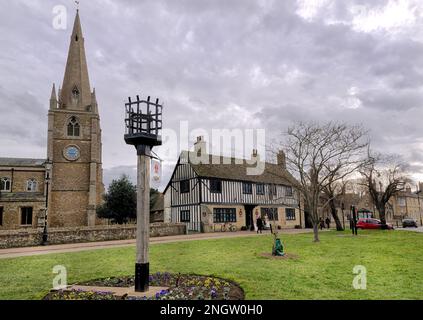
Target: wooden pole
{"type": "Point", "coordinates": [143, 221]}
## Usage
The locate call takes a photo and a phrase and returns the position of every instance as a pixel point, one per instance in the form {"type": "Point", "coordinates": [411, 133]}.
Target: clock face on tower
{"type": "Point", "coordinates": [71, 153]}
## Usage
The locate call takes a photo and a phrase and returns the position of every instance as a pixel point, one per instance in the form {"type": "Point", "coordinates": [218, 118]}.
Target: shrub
{"type": "Point", "coordinates": [120, 203]}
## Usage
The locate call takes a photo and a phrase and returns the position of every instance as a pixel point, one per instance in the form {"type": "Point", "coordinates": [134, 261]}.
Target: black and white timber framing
{"type": "Point", "coordinates": [188, 203]}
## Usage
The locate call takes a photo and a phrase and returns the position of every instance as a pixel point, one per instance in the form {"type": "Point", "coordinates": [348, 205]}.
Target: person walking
{"type": "Point", "coordinates": [328, 222]}
{"type": "Point", "coordinates": [259, 225]}
{"type": "Point", "coordinates": [322, 223]}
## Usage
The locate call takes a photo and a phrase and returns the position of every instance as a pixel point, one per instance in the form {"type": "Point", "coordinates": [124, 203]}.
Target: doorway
{"type": "Point", "coordinates": [249, 222]}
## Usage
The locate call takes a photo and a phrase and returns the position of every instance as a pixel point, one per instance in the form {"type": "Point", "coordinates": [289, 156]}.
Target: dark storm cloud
{"type": "Point", "coordinates": [218, 64]}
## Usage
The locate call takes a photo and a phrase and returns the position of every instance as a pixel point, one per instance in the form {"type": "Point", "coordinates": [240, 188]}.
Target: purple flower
{"type": "Point", "coordinates": [213, 293]}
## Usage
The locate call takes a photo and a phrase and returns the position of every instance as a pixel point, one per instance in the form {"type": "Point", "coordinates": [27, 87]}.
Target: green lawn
{"type": "Point", "coordinates": [394, 262]}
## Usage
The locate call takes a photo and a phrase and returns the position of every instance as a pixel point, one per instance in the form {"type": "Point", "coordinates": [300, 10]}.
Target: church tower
{"type": "Point", "coordinates": [74, 143]}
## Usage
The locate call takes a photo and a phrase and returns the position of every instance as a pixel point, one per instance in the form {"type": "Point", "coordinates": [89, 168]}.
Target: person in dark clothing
{"type": "Point", "coordinates": [259, 225]}
{"type": "Point", "coordinates": [322, 223]}
{"type": "Point", "coordinates": [328, 222]}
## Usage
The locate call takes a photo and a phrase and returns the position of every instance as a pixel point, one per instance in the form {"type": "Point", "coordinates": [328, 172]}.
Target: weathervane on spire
{"type": "Point", "coordinates": [77, 5]}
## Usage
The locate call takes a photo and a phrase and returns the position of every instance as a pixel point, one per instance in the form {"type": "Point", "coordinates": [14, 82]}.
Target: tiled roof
{"type": "Point", "coordinates": [21, 162]}
{"type": "Point", "coordinates": [237, 170]}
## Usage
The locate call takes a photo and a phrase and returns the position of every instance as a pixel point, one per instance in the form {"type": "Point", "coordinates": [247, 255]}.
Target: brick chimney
{"type": "Point", "coordinates": [255, 157]}
{"type": "Point", "coordinates": [408, 189]}
{"type": "Point", "coordinates": [420, 187]}
{"type": "Point", "coordinates": [200, 147]}
{"type": "Point", "coordinates": [281, 159]}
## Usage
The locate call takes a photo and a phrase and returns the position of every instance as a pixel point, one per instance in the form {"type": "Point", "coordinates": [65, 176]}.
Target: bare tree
{"type": "Point", "coordinates": [333, 191]}
{"type": "Point", "coordinates": [320, 155]}
{"type": "Point", "coordinates": [384, 176]}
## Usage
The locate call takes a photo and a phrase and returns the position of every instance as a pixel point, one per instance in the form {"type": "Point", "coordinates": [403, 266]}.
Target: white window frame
{"type": "Point", "coordinates": [31, 185]}
{"type": "Point", "coordinates": [4, 182]}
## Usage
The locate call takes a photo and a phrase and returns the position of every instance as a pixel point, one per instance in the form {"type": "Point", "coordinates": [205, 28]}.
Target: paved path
{"type": "Point", "coordinates": [419, 229]}
{"type": "Point", "coordinates": [76, 247]}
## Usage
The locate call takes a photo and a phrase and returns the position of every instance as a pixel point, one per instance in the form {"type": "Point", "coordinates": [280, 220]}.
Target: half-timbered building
{"type": "Point", "coordinates": [216, 193]}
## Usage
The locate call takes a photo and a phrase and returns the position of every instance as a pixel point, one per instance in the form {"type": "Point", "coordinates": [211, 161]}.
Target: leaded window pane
{"type": "Point", "coordinates": [222, 215]}
{"type": "Point", "coordinates": [290, 214]}
{"type": "Point", "coordinates": [247, 188]}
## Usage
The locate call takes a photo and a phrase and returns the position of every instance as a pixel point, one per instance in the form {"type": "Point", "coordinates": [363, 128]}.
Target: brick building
{"type": "Point", "coordinates": [68, 183]}
{"type": "Point", "coordinates": [405, 204]}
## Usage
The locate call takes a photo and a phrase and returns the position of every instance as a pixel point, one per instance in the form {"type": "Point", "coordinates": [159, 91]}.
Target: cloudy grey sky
{"type": "Point", "coordinates": [220, 64]}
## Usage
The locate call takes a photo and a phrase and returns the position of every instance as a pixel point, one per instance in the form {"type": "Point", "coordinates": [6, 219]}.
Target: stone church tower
{"type": "Point", "coordinates": [74, 143]}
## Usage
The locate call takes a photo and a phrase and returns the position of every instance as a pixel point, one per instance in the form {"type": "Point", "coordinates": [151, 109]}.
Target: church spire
{"type": "Point", "coordinates": [53, 98]}
{"type": "Point", "coordinates": [76, 93]}
{"type": "Point", "coordinates": [53, 93]}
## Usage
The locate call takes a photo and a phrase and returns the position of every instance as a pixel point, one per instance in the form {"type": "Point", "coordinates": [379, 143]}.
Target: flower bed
{"type": "Point", "coordinates": [79, 295]}
{"type": "Point", "coordinates": [181, 287]}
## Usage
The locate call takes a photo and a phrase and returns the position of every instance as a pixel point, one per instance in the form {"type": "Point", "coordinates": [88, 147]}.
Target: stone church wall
{"type": "Point", "coordinates": [33, 237]}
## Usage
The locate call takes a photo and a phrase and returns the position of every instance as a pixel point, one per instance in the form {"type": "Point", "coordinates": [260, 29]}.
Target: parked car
{"type": "Point", "coordinates": [408, 222]}
{"type": "Point", "coordinates": [365, 223]}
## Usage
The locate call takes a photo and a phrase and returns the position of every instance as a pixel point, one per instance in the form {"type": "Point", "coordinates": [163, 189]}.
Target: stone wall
{"type": "Point", "coordinates": [33, 237]}
{"type": "Point", "coordinates": [12, 212]}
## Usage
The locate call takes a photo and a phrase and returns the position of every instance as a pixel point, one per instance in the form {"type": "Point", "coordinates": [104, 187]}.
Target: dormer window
{"type": "Point", "coordinates": [5, 184]}
{"type": "Point", "coordinates": [73, 127]}
{"type": "Point", "coordinates": [76, 37]}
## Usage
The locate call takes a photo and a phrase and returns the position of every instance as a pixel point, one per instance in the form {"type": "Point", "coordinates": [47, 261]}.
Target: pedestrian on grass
{"type": "Point", "coordinates": [259, 225]}
{"type": "Point", "coordinates": [322, 223]}
{"type": "Point", "coordinates": [328, 222]}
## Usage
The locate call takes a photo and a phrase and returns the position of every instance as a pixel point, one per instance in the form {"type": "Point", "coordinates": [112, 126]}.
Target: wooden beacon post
{"type": "Point", "coordinates": [143, 128]}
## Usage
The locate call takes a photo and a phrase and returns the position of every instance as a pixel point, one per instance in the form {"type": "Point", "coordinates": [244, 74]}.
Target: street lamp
{"type": "Point", "coordinates": [354, 220]}
{"type": "Point", "coordinates": [48, 165]}
{"type": "Point", "coordinates": [143, 121]}
{"type": "Point", "coordinates": [299, 211]}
